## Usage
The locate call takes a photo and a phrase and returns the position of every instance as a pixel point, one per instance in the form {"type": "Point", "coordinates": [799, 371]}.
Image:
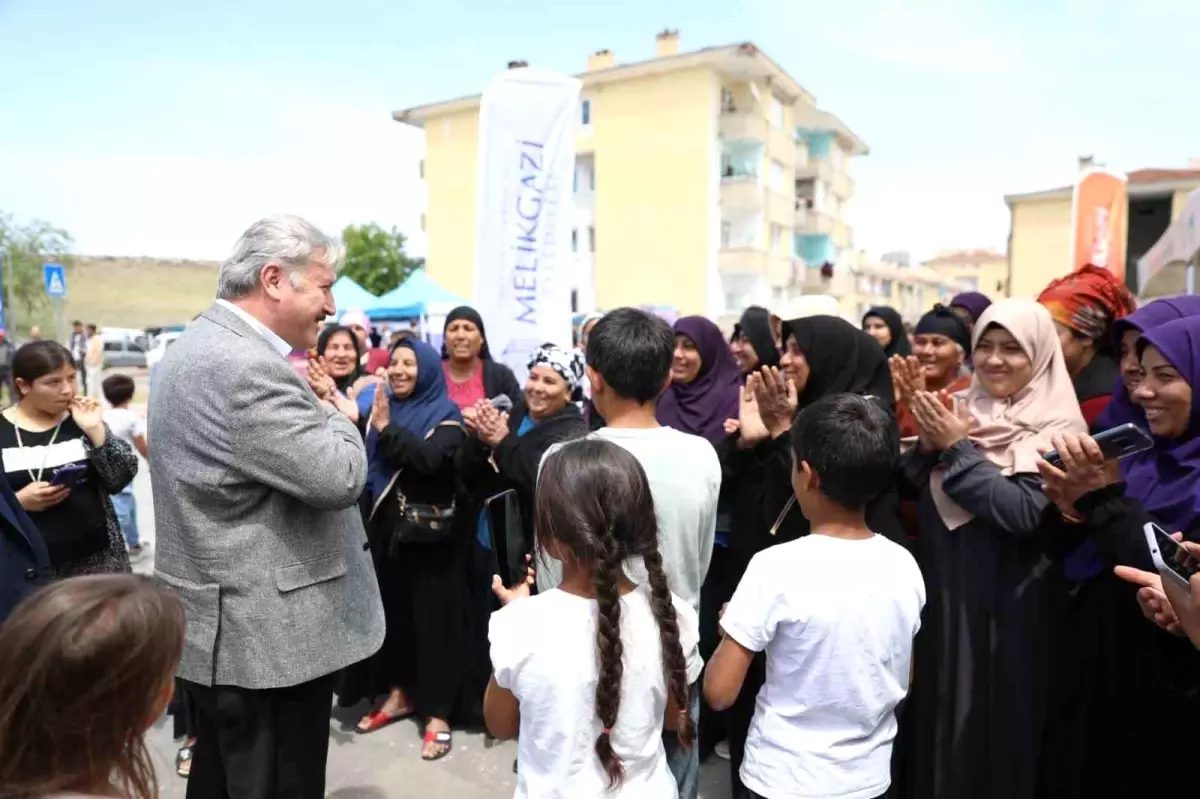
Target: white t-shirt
{"type": "Point", "coordinates": [837, 620]}
{"type": "Point", "coordinates": [125, 425]}
{"type": "Point", "coordinates": [685, 480]}
{"type": "Point", "coordinates": [544, 651]}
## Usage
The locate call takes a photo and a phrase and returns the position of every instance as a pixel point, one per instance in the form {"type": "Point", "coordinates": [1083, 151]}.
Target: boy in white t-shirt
{"type": "Point", "coordinates": [131, 428]}
{"type": "Point", "coordinates": [836, 613]}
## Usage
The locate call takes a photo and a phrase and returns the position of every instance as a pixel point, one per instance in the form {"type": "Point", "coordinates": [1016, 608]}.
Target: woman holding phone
{"type": "Point", "coordinates": [63, 465]}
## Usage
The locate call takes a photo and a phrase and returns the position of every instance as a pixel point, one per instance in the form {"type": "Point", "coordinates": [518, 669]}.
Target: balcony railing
{"type": "Point", "coordinates": [743, 126]}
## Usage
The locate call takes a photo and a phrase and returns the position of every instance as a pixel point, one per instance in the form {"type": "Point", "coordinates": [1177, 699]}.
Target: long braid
{"type": "Point", "coordinates": [674, 663]}
{"type": "Point", "coordinates": [610, 652]}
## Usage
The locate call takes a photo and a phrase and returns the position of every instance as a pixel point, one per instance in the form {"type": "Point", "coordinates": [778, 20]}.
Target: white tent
{"type": "Point", "coordinates": [1169, 266]}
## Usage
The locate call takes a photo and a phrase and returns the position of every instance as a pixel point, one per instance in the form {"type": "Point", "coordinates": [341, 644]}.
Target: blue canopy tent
{"type": "Point", "coordinates": [349, 296]}
{"type": "Point", "coordinates": [415, 297]}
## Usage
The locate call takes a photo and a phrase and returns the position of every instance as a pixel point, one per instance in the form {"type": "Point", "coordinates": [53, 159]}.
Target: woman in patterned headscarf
{"type": "Point", "coordinates": [1084, 304]}
{"type": "Point", "coordinates": [503, 455]}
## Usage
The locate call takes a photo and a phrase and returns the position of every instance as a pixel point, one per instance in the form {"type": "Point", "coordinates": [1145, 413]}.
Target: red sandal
{"type": "Point", "coordinates": [437, 737]}
{"type": "Point", "coordinates": [377, 720]}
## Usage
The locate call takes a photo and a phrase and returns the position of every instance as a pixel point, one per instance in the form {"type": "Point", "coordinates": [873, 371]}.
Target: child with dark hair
{"type": "Point", "coordinates": [130, 428]}
{"type": "Point", "coordinates": [629, 355]}
{"type": "Point", "coordinates": [836, 612]}
{"type": "Point", "coordinates": [591, 692]}
{"type": "Point", "coordinates": [86, 667]}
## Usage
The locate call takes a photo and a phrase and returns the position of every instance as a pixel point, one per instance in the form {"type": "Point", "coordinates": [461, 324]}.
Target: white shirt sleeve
{"type": "Point", "coordinates": [708, 528]}
{"type": "Point", "coordinates": [755, 610]}
{"type": "Point", "coordinates": [509, 639]}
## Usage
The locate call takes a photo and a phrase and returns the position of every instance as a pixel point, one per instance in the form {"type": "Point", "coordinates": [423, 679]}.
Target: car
{"type": "Point", "coordinates": [123, 351]}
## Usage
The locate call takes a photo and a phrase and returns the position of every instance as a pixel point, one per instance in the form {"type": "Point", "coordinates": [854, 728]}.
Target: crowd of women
{"type": "Point", "coordinates": [1036, 672]}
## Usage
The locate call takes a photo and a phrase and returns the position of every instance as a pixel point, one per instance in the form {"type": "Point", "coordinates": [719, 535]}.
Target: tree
{"type": "Point", "coordinates": [29, 246]}
{"type": "Point", "coordinates": [375, 258]}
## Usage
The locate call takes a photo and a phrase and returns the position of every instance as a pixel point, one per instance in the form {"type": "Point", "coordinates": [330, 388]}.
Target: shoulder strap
{"type": "Point", "coordinates": [392, 482]}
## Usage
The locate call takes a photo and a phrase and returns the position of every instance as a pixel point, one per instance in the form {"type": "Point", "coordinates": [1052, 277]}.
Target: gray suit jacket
{"type": "Point", "coordinates": [257, 526]}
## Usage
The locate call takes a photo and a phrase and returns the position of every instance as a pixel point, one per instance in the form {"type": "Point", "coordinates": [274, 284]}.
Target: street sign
{"type": "Point", "coordinates": [55, 279]}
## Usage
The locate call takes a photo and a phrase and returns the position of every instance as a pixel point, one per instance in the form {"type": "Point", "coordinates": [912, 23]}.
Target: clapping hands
{"type": "Point", "coordinates": [488, 424]}
{"type": "Point", "coordinates": [943, 423]}
{"type": "Point", "coordinates": [319, 380]}
{"type": "Point", "coordinates": [908, 377]}
{"type": "Point", "coordinates": [775, 398]}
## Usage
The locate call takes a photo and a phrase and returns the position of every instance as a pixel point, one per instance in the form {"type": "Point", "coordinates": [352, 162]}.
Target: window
{"type": "Point", "coordinates": [585, 112]}
{"type": "Point", "coordinates": [591, 239]}
{"type": "Point", "coordinates": [726, 232]}
{"type": "Point", "coordinates": [113, 346]}
{"type": "Point", "coordinates": [776, 113]}
{"type": "Point", "coordinates": [574, 301]}
{"type": "Point", "coordinates": [592, 177]}
{"type": "Point", "coordinates": [421, 168]}
{"type": "Point", "coordinates": [575, 183]}
{"type": "Point", "coordinates": [727, 105]}
{"type": "Point", "coordinates": [574, 241]}
{"type": "Point", "coordinates": [422, 223]}
{"type": "Point", "coordinates": [776, 238]}
{"type": "Point", "coordinates": [777, 176]}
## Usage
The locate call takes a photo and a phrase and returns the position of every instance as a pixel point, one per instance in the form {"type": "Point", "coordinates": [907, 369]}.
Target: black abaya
{"type": "Point", "coordinates": [423, 586]}
{"type": "Point", "coordinates": [976, 710]}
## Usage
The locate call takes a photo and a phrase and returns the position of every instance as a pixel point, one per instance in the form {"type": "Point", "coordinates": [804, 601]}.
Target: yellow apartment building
{"type": "Point", "coordinates": [859, 283]}
{"type": "Point", "coordinates": [973, 270]}
{"type": "Point", "coordinates": [1039, 244]}
{"type": "Point", "coordinates": [705, 181]}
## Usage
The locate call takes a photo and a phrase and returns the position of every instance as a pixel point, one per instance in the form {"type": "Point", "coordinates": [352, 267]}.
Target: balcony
{"type": "Point", "coordinates": [742, 261]}
{"type": "Point", "coordinates": [810, 222]}
{"type": "Point", "coordinates": [836, 180]}
{"type": "Point", "coordinates": [781, 209]}
{"type": "Point", "coordinates": [743, 126]}
{"type": "Point", "coordinates": [741, 191]}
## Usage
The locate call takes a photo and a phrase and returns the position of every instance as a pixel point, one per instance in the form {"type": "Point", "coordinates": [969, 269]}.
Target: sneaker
{"type": "Point", "coordinates": [721, 750]}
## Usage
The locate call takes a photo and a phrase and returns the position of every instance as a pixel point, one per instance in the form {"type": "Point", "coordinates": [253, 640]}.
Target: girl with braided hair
{"type": "Point", "coordinates": [591, 672]}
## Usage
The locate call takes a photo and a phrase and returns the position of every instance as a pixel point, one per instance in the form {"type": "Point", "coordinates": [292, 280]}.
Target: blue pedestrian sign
{"type": "Point", "coordinates": [55, 278]}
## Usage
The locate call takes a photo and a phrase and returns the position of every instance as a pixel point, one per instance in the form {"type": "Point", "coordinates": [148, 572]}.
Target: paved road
{"type": "Point", "coordinates": [386, 764]}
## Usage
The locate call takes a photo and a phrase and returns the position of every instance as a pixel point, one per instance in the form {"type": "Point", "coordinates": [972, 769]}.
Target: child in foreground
{"type": "Point", "coordinates": [86, 666]}
{"type": "Point", "coordinates": [589, 673]}
{"type": "Point", "coordinates": [836, 613]}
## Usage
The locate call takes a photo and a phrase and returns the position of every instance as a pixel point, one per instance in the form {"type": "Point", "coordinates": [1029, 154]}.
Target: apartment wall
{"type": "Point", "coordinates": [656, 156]}
{"type": "Point", "coordinates": [451, 148]}
{"type": "Point", "coordinates": [1040, 247]}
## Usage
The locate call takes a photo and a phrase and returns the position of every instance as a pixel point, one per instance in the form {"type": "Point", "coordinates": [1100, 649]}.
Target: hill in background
{"type": "Point", "coordinates": [133, 292]}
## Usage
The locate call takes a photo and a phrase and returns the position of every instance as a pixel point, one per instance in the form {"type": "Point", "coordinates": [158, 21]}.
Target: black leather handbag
{"type": "Point", "coordinates": [416, 522]}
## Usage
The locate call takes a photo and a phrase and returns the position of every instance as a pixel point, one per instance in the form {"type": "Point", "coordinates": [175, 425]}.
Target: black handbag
{"type": "Point", "coordinates": [417, 522]}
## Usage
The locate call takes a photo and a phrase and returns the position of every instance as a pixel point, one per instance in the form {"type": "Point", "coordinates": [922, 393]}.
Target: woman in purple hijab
{"type": "Point", "coordinates": [970, 305]}
{"type": "Point", "coordinates": [705, 381]}
{"type": "Point", "coordinates": [1120, 672]}
{"type": "Point", "coordinates": [1125, 334]}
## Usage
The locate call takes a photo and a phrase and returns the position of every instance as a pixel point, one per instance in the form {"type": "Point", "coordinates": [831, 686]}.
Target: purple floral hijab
{"type": "Point", "coordinates": [1167, 478]}
{"type": "Point", "coordinates": [702, 406]}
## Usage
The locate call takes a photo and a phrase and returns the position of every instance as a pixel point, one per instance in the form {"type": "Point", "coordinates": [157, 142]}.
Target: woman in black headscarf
{"type": "Point", "coordinates": [752, 344]}
{"type": "Point", "coordinates": [822, 355]}
{"type": "Point", "coordinates": [342, 354]}
{"type": "Point", "coordinates": [885, 326]}
{"type": "Point", "coordinates": [471, 374]}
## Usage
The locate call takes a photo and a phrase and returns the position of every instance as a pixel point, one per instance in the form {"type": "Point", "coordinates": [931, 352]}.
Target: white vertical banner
{"type": "Point", "coordinates": [523, 267]}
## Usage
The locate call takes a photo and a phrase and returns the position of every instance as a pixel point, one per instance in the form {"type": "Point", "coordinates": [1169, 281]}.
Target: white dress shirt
{"type": "Point", "coordinates": [277, 343]}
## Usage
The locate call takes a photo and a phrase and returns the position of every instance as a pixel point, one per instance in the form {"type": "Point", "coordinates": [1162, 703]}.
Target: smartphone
{"type": "Point", "coordinates": [1172, 560]}
{"type": "Point", "coordinates": [1119, 442]}
{"type": "Point", "coordinates": [68, 475]}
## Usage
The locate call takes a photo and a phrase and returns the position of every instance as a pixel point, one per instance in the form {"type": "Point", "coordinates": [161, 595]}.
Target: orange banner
{"type": "Point", "coordinates": [1098, 223]}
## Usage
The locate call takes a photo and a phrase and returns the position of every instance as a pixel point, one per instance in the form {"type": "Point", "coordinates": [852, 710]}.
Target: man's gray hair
{"type": "Point", "coordinates": [289, 241]}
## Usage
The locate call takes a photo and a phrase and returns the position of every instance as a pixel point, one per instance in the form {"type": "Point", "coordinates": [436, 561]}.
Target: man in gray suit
{"type": "Point", "coordinates": [256, 485]}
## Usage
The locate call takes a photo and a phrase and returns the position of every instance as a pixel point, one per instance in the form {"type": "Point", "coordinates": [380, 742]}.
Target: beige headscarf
{"type": "Point", "coordinates": [1009, 431]}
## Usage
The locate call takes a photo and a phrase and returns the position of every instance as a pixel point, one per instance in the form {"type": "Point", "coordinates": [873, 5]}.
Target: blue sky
{"type": "Point", "coordinates": [164, 129]}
